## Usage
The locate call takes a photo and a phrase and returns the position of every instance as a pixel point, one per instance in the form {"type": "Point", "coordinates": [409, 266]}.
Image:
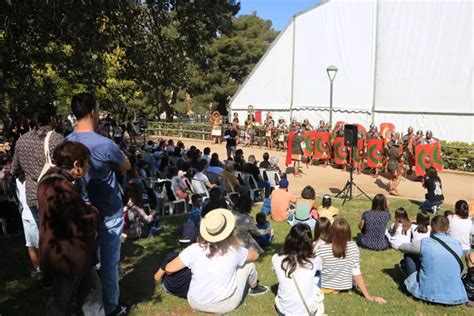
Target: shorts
{"type": "Point", "coordinates": [31, 232]}
{"type": "Point", "coordinates": [296, 157]}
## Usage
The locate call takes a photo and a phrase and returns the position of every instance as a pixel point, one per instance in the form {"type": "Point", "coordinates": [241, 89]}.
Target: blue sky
{"type": "Point", "coordinates": [279, 11]}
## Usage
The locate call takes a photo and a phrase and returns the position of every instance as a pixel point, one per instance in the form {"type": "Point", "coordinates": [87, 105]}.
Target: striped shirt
{"type": "Point", "coordinates": [337, 272]}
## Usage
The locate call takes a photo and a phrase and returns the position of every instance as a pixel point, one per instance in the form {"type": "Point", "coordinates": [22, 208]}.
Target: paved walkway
{"type": "Point", "coordinates": [456, 185]}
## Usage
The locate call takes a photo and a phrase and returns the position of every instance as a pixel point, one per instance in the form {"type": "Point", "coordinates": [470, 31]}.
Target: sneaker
{"type": "Point", "coordinates": [36, 274]}
{"type": "Point", "coordinates": [259, 289]}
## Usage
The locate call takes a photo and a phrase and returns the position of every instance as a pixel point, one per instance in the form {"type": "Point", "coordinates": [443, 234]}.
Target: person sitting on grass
{"type": "Point", "coordinates": [373, 224]}
{"type": "Point", "coordinates": [434, 195]}
{"type": "Point", "coordinates": [245, 227]}
{"type": "Point", "coordinates": [321, 232]}
{"type": "Point", "coordinates": [67, 234]}
{"type": "Point", "coordinates": [438, 277]}
{"type": "Point", "coordinates": [178, 283]}
{"type": "Point", "coordinates": [296, 267]}
{"type": "Point", "coordinates": [280, 202]}
{"type": "Point", "coordinates": [196, 210]}
{"type": "Point", "coordinates": [460, 225]}
{"type": "Point", "coordinates": [222, 270]}
{"type": "Point", "coordinates": [327, 210]}
{"type": "Point", "coordinates": [399, 232]}
{"type": "Point", "coordinates": [265, 228]}
{"type": "Point", "coordinates": [137, 222]}
{"type": "Point", "coordinates": [341, 262]}
{"type": "Point", "coordinates": [305, 206]}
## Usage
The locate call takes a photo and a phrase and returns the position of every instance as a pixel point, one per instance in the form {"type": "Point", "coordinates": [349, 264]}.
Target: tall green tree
{"type": "Point", "coordinates": [229, 59]}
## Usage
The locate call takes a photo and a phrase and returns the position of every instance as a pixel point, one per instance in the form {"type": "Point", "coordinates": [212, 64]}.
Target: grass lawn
{"type": "Point", "coordinates": [19, 295]}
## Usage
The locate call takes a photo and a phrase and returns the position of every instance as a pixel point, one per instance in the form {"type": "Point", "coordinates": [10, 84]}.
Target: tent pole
{"type": "Point", "coordinates": [376, 36]}
{"type": "Point", "coordinates": [292, 70]}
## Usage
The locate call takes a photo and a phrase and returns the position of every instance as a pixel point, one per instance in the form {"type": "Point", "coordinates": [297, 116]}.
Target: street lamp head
{"type": "Point", "coordinates": [332, 71]}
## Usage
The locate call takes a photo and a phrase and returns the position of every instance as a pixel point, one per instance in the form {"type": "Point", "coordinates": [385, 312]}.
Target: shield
{"type": "Point", "coordinates": [340, 151]}
{"type": "Point", "coordinates": [375, 153]}
{"type": "Point", "coordinates": [289, 146]}
{"type": "Point", "coordinates": [438, 162]}
{"type": "Point", "coordinates": [358, 153]}
{"type": "Point", "coordinates": [322, 145]}
{"type": "Point", "coordinates": [385, 130]}
{"type": "Point", "coordinates": [423, 158]}
{"type": "Point", "coordinates": [308, 141]}
{"type": "Point", "coordinates": [428, 155]}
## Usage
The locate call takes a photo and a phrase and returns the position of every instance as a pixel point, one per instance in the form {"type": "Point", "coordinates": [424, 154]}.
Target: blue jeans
{"type": "Point", "coordinates": [266, 186]}
{"type": "Point", "coordinates": [109, 246]}
{"type": "Point", "coordinates": [428, 205]}
{"type": "Point", "coordinates": [411, 263]}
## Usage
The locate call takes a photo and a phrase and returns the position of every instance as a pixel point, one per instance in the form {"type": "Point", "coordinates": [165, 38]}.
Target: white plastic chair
{"type": "Point", "coordinates": [273, 178]}
{"type": "Point", "coordinates": [172, 204]}
{"type": "Point", "coordinates": [252, 185]}
{"type": "Point", "coordinates": [199, 187]}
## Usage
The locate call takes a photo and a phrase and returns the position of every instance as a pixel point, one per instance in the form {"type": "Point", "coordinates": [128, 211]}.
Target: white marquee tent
{"type": "Point", "coordinates": [407, 62]}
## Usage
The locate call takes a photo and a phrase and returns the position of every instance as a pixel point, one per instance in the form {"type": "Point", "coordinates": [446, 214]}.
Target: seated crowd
{"type": "Point", "coordinates": [221, 241]}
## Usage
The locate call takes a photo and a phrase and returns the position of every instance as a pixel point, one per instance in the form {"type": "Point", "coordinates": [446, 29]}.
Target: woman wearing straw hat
{"type": "Point", "coordinates": [222, 269]}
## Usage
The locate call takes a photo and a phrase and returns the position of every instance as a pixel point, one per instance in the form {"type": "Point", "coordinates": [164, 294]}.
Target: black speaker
{"type": "Point", "coordinates": [350, 135]}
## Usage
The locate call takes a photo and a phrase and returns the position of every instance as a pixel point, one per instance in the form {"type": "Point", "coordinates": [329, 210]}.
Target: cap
{"type": "Point", "coordinates": [284, 183]}
{"type": "Point", "coordinates": [187, 233]}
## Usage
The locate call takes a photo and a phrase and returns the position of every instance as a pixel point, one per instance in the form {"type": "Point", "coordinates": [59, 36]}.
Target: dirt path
{"type": "Point", "coordinates": [456, 186]}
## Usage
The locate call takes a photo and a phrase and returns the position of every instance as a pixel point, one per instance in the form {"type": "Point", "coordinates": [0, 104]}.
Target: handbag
{"type": "Point", "coordinates": [318, 300]}
{"type": "Point", "coordinates": [451, 251]}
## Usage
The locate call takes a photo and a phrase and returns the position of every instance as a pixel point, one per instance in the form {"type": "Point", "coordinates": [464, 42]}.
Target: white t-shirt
{"type": "Point", "coordinates": [460, 229]}
{"type": "Point", "coordinates": [399, 237]}
{"type": "Point", "coordinates": [287, 299]}
{"type": "Point", "coordinates": [417, 236]}
{"type": "Point", "coordinates": [199, 176]}
{"type": "Point", "coordinates": [214, 279]}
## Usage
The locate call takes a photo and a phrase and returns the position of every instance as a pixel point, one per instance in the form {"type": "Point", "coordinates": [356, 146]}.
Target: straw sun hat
{"type": "Point", "coordinates": [217, 225]}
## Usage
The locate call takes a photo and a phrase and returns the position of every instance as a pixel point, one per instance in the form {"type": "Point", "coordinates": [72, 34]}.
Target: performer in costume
{"type": "Point", "coordinates": [307, 126]}
{"type": "Point", "coordinates": [235, 124]}
{"type": "Point", "coordinates": [323, 127]}
{"type": "Point", "coordinates": [294, 150]}
{"type": "Point", "coordinates": [249, 129]}
{"type": "Point", "coordinates": [338, 132]}
{"type": "Point", "coordinates": [282, 130]}
{"type": "Point", "coordinates": [395, 158]}
{"type": "Point", "coordinates": [409, 149]}
{"type": "Point", "coordinates": [216, 127]}
{"type": "Point", "coordinates": [360, 153]}
{"type": "Point", "coordinates": [269, 129]}
{"type": "Point", "coordinates": [374, 134]}
{"type": "Point", "coordinates": [429, 139]}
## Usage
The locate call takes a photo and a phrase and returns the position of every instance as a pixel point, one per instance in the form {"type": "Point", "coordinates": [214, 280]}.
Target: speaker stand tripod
{"type": "Point", "coordinates": [347, 190]}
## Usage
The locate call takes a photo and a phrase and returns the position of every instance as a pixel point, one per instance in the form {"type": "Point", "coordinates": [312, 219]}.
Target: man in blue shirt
{"type": "Point", "coordinates": [101, 189]}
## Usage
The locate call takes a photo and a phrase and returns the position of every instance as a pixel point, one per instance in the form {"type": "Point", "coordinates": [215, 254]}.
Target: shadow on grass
{"type": "Point", "coordinates": [382, 185]}
{"type": "Point", "coordinates": [398, 277]}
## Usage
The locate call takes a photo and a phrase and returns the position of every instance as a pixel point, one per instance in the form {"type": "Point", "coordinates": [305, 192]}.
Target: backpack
{"type": "Point", "coordinates": [266, 207]}
{"type": "Point", "coordinates": [48, 163]}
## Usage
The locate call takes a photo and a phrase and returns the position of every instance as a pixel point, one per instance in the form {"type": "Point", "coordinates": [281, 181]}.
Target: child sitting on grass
{"type": "Point", "coordinates": [265, 228]}
{"type": "Point", "coordinates": [137, 222]}
{"type": "Point", "coordinates": [399, 232]}
{"type": "Point", "coordinates": [178, 283]}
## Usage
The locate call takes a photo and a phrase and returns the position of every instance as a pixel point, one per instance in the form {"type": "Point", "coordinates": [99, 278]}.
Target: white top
{"type": "Point", "coordinates": [460, 229]}
{"type": "Point", "coordinates": [214, 279]}
{"type": "Point", "coordinates": [416, 236]}
{"type": "Point", "coordinates": [287, 299]}
{"type": "Point", "coordinates": [337, 272]}
{"type": "Point", "coordinates": [398, 237]}
{"type": "Point", "coordinates": [201, 177]}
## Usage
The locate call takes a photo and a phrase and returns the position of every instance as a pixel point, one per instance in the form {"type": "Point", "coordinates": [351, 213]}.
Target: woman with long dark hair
{"type": "Point", "coordinates": [373, 224]}
{"type": "Point", "coordinates": [341, 262]}
{"type": "Point", "coordinates": [296, 266]}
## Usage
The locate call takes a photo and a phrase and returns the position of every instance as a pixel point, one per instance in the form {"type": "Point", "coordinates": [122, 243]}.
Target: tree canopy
{"type": "Point", "coordinates": [149, 55]}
